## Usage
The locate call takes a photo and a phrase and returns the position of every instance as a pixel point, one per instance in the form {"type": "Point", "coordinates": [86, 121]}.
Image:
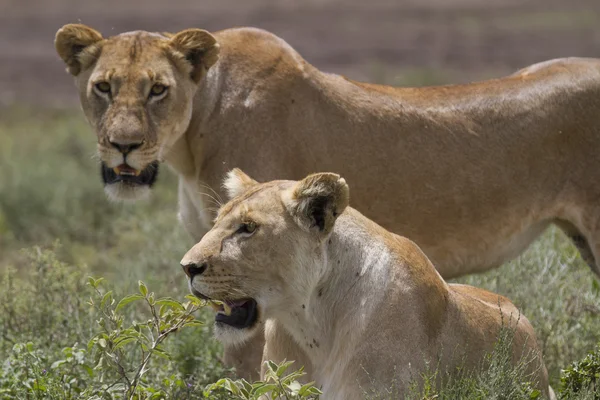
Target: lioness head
{"type": "Point", "coordinates": [136, 91]}
{"type": "Point", "coordinates": [265, 248]}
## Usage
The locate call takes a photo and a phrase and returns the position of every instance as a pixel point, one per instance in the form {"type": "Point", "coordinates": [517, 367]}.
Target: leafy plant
{"type": "Point", "coordinates": [133, 343]}
{"type": "Point", "coordinates": [123, 353]}
{"type": "Point", "coordinates": [276, 384]}
{"type": "Point", "coordinates": [582, 377]}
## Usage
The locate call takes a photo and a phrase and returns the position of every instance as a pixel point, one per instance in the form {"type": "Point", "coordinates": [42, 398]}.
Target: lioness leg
{"type": "Point", "coordinates": [593, 259]}
{"type": "Point", "coordinates": [246, 357]}
{"type": "Point", "coordinates": [584, 231]}
{"type": "Point", "coordinates": [281, 346]}
{"type": "Point", "coordinates": [580, 242]}
{"type": "Point", "coordinates": [188, 215]}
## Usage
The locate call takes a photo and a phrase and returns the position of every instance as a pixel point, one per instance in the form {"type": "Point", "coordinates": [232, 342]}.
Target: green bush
{"type": "Point", "coordinates": [276, 384]}
{"type": "Point", "coordinates": [582, 378]}
{"type": "Point", "coordinates": [58, 345]}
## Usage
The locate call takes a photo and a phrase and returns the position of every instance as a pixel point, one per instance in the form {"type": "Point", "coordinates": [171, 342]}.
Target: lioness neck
{"type": "Point", "coordinates": [334, 312]}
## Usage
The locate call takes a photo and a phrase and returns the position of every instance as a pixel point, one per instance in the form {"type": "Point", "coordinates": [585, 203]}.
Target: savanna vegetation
{"type": "Point", "coordinates": [64, 335]}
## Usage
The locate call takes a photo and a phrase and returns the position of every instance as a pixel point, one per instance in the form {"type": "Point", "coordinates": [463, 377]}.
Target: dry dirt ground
{"type": "Point", "coordinates": [402, 41]}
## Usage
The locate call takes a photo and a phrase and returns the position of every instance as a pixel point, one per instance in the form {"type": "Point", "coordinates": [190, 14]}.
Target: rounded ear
{"type": "Point", "coordinates": [196, 49]}
{"type": "Point", "coordinates": [317, 201]}
{"type": "Point", "coordinates": [76, 45]}
{"type": "Point", "coordinates": [237, 182]}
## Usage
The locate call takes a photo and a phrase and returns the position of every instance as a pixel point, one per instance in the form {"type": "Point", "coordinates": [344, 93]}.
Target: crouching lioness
{"type": "Point", "coordinates": [365, 305]}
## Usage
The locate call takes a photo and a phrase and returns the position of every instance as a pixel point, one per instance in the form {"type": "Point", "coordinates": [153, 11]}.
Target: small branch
{"type": "Point", "coordinates": [155, 343]}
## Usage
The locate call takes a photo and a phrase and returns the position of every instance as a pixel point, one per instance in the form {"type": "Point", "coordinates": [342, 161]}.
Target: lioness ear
{"type": "Point", "coordinates": [317, 201]}
{"type": "Point", "coordinates": [198, 48]}
{"type": "Point", "coordinates": [237, 182]}
{"type": "Point", "coordinates": [75, 44]}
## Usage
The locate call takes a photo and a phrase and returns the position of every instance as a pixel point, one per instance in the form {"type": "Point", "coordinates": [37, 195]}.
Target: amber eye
{"type": "Point", "coordinates": [247, 227]}
{"type": "Point", "coordinates": [157, 89]}
{"type": "Point", "coordinates": [103, 87]}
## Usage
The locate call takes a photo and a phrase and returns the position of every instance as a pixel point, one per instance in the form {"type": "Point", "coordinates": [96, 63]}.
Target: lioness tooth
{"type": "Point", "coordinates": [226, 309]}
{"type": "Point", "coordinates": [137, 172]}
{"type": "Point", "coordinates": [117, 170]}
{"type": "Point", "coordinates": [215, 306]}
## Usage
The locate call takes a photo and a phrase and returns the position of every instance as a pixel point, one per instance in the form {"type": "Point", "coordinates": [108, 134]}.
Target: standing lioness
{"type": "Point", "coordinates": [366, 306]}
{"type": "Point", "coordinates": [472, 173]}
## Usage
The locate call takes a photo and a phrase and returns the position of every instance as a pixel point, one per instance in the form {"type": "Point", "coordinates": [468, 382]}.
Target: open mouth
{"type": "Point", "coordinates": [239, 314]}
{"type": "Point", "coordinates": [127, 174]}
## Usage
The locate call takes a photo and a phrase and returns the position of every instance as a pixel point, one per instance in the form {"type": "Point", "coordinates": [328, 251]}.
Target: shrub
{"type": "Point", "coordinates": [582, 378]}
{"type": "Point", "coordinates": [56, 345]}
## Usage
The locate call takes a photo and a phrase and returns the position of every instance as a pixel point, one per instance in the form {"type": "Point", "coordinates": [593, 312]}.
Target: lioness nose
{"type": "Point", "coordinates": [126, 148]}
{"type": "Point", "coordinates": [193, 269]}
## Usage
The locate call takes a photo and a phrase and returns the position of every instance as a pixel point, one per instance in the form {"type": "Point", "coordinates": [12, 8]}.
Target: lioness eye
{"type": "Point", "coordinates": [157, 89]}
{"type": "Point", "coordinates": [103, 87]}
{"type": "Point", "coordinates": [247, 227]}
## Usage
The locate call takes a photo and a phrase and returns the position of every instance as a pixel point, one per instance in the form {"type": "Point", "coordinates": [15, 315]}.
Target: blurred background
{"type": "Point", "coordinates": [389, 41]}
{"type": "Point", "coordinates": [57, 227]}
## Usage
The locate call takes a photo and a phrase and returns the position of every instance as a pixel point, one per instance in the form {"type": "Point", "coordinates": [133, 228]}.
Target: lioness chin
{"type": "Point", "coordinates": [365, 305]}
{"type": "Point", "coordinates": [472, 173]}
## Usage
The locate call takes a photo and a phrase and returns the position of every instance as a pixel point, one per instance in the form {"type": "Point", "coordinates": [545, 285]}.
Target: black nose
{"type": "Point", "coordinates": [192, 269]}
{"type": "Point", "coordinates": [126, 148]}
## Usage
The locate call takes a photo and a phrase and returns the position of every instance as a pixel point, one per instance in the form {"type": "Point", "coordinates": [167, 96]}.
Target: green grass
{"type": "Point", "coordinates": [50, 190]}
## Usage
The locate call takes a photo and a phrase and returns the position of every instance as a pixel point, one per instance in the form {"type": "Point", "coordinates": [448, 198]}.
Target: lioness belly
{"type": "Point", "coordinates": [453, 258]}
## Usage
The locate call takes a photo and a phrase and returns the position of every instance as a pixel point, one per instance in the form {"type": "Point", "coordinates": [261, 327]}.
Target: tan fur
{"type": "Point", "coordinates": [366, 306]}
{"type": "Point", "coordinates": [472, 173]}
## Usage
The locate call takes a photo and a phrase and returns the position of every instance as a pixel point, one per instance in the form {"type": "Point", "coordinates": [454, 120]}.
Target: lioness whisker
{"type": "Point", "coordinates": [219, 198]}
{"type": "Point", "coordinates": [215, 201]}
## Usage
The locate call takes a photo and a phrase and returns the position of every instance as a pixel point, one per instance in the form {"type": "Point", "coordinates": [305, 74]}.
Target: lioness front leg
{"type": "Point", "coordinates": [280, 346]}
{"type": "Point", "coordinates": [583, 228]}
{"type": "Point", "coordinates": [189, 217]}
{"type": "Point", "coordinates": [246, 357]}
{"type": "Point", "coordinates": [592, 244]}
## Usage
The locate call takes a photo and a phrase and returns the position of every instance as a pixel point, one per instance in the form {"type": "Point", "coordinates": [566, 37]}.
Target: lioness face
{"type": "Point", "coordinates": [264, 250]}
{"type": "Point", "coordinates": [136, 90]}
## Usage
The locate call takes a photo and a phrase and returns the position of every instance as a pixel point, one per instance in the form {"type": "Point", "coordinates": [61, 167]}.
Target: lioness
{"type": "Point", "coordinates": [472, 173]}
{"type": "Point", "coordinates": [366, 306]}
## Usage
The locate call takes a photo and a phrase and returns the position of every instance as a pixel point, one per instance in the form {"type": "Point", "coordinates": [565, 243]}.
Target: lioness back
{"type": "Point", "coordinates": [502, 144]}
{"type": "Point", "coordinates": [487, 313]}
{"type": "Point", "coordinates": [473, 173]}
